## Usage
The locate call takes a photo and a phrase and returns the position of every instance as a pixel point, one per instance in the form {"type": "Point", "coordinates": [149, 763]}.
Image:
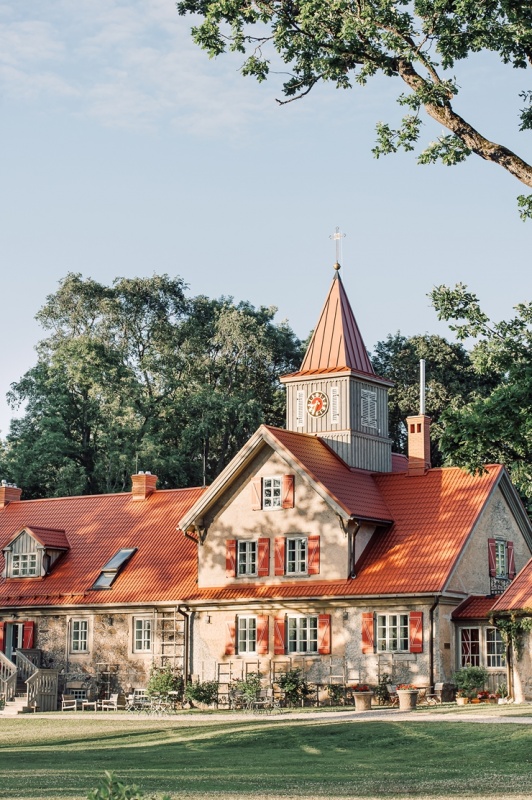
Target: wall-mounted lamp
{"type": "Point", "coordinates": [208, 619]}
{"type": "Point", "coordinates": [345, 613]}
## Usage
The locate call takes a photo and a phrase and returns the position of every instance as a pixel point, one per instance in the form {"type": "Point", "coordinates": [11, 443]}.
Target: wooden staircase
{"type": "Point", "coordinates": [25, 686]}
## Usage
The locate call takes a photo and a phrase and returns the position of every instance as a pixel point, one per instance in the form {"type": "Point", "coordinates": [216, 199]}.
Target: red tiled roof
{"type": "Point", "coordinates": [518, 596]}
{"type": "Point", "coordinates": [49, 537]}
{"type": "Point", "coordinates": [474, 607]}
{"type": "Point", "coordinates": [162, 569]}
{"type": "Point", "coordinates": [354, 489]}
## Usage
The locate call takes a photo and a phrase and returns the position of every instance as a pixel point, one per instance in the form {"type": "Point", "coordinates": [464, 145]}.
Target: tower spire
{"type": "Point", "coordinates": [337, 237]}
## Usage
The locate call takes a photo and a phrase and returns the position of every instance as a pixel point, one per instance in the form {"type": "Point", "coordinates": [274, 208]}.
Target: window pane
{"type": "Point", "coordinates": [303, 634]}
{"type": "Point", "coordinates": [470, 647]}
{"type": "Point", "coordinates": [495, 649]}
{"type": "Point", "coordinates": [79, 635]}
{"type": "Point", "coordinates": [271, 493]}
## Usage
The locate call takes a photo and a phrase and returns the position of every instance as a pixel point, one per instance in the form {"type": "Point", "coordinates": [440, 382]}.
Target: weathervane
{"type": "Point", "coordinates": [337, 236]}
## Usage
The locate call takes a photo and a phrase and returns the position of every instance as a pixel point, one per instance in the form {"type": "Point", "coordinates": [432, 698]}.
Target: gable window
{"type": "Point", "coordinates": [392, 633]}
{"type": "Point", "coordinates": [271, 493]}
{"type": "Point", "coordinates": [143, 635]}
{"type": "Point", "coordinates": [247, 557]}
{"type": "Point", "coordinates": [79, 636]}
{"type": "Point", "coordinates": [247, 634]}
{"type": "Point", "coordinates": [296, 556]}
{"type": "Point", "coordinates": [303, 634]}
{"type": "Point", "coordinates": [501, 565]}
{"type": "Point", "coordinates": [470, 647]}
{"type": "Point", "coordinates": [23, 565]}
{"type": "Point", "coordinates": [501, 561]}
{"type": "Point", "coordinates": [495, 649]}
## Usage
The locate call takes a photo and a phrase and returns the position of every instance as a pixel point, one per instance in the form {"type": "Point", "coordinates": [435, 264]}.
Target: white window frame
{"type": "Point", "coordinates": [247, 554]}
{"type": "Point", "coordinates": [272, 489]}
{"type": "Point", "coordinates": [501, 559]}
{"type": "Point", "coordinates": [79, 635]}
{"type": "Point", "coordinates": [471, 658]}
{"type": "Point", "coordinates": [246, 635]}
{"type": "Point", "coordinates": [496, 659]}
{"type": "Point", "coordinates": [142, 634]}
{"type": "Point", "coordinates": [393, 633]}
{"type": "Point", "coordinates": [296, 555]}
{"type": "Point", "coordinates": [368, 410]}
{"type": "Point", "coordinates": [302, 634]}
{"type": "Point", "coordinates": [24, 565]}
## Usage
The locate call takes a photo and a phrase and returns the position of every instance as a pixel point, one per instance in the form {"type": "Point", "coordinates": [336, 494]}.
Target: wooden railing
{"type": "Point", "coordinates": [42, 690]}
{"type": "Point", "coordinates": [8, 678]}
{"type": "Point", "coordinates": [25, 667]}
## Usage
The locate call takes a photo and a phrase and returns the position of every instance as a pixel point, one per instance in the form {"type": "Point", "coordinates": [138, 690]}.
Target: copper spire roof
{"type": "Point", "coordinates": [336, 343]}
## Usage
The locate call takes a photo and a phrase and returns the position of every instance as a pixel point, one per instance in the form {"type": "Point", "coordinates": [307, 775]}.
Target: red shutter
{"type": "Point", "coordinates": [279, 555]}
{"type": "Point", "coordinates": [230, 558]}
{"type": "Point", "coordinates": [416, 631]}
{"type": "Point", "coordinates": [491, 558]}
{"type": "Point", "coordinates": [279, 646]}
{"type": "Point", "coordinates": [313, 563]}
{"type": "Point", "coordinates": [324, 634]}
{"type": "Point", "coordinates": [368, 637]}
{"type": "Point", "coordinates": [256, 494]}
{"type": "Point", "coordinates": [2, 637]}
{"type": "Point", "coordinates": [263, 567]}
{"type": "Point", "coordinates": [511, 560]}
{"type": "Point", "coordinates": [27, 635]}
{"type": "Point", "coordinates": [263, 632]}
{"type": "Point", "coordinates": [230, 640]}
{"type": "Point", "coordinates": [288, 491]}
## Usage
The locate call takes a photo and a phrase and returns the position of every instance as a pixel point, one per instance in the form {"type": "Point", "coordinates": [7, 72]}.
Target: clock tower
{"type": "Point", "coordinates": [336, 394]}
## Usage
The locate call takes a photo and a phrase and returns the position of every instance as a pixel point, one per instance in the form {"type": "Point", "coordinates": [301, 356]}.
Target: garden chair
{"type": "Point", "coordinates": [435, 698]}
{"type": "Point", "coordinates": [111, 704]}
{"type": "Point", "coordinates": [394, 697]}
{"type": "Point", "coordinates": [68, 702]}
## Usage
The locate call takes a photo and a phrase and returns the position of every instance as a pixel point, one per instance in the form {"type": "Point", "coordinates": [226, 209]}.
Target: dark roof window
{"type": "Point", "coordinates": [112, 568]}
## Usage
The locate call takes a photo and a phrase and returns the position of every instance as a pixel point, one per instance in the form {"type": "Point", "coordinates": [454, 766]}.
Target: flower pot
{"type": "Point", "coordinates": [407, 699]}
{"type": "Point", "coordinates": [475, 700]}
{"type": "Point", "coordinates": [462, 701]}
{"type": "Point", "coordinates": [363, 701]}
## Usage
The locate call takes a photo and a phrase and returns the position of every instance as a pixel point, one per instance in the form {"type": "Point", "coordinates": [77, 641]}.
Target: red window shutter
{"type": "Point", "coordinates": [27, 635]}
{"type": "Point", "coordinates": [230, 639]}
{"type": "Point", "coordinates": [368, 636]}
{"type": "Point", "coordinates": [263, 567]}
{"type": "Point", "coordinates": [313, 563]}
{"type": "Point", "coordinates": [2, 637]}
{"type": "Point", "coordinates": [416, 631]}
{"type": "Point", "coordinates": [324, 634]}
{"type": "Point", "coordinates": [279, 646]}
{"type": "Point", "coordinates": [230, 558]}
{"type": "Point", "coordinates": [256, 494]}
{"type": "Point", "coordinates": [288, 491]}
{"type": "Point", "coordinates": [279, 555]}
{"type": "Point", "coordinates": [511, 560]}
{"type": "Point", "coordinates": [491, 558]}
{"type": "Point", "coordinates": [263, 631]}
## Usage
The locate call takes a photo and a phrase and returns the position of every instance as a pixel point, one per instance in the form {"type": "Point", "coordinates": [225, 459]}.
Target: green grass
{"type": "Point", "coordinates": [50, 758]}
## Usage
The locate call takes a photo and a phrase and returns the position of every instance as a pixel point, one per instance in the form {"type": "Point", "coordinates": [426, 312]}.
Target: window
{"type": "Point", "coordinates": [470, 647]}
{"type": "Point", "coordinates": [23, 565]}
{"type": "Point", "coordinates": [369, 408]}
{"type": "Point", "coordinates": [300, 408]}
{"type": "Point", "coordinates": [113, 567]}
{"type": "Point", "coordinates": [501, 565]}
{"type": "Point", "coordinates": [143, 635]}
{"type": "Point", "coordinates": [392, 632]}
{"type": "Point", "coordinates": [247, 558]}
{"type": "Point", "coordinates": [495, 649]}
{"type": "Point", "coordinates": [247, 634]}
{"type": "Point", "coordinates": [302, 634]}
{"type": "Point", "coordinates": [335, 405]}
{"type": "Point", "coordinates": [79, 636]}
{"type": "Point", "coordinates": [271, 492]}
{"type": "Point", "coordinates": [296, 556]}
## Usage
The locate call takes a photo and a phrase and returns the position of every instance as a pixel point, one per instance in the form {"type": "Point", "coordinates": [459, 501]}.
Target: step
{"type": "Point", "coordinates": [15, 707]}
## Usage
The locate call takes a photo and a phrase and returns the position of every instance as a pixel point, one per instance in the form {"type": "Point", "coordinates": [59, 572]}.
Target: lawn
{"type": "Point", "coordinates": [51, 758]}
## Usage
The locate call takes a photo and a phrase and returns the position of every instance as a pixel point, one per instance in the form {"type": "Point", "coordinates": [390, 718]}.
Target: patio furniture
{"type": "Point", "coordinates": [68, 702]}
{"type": "Point", "coordinates": [86, 705]}
{"type": "Point", "coordinates": [266, 701]}
{"type": "Point", "coordinates": [435, 698]}
{"type": "Point", "coordinates": [111, 704]}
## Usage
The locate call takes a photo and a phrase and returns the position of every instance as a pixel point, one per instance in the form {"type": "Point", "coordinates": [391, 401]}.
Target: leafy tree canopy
{"type": "Point", "coordinates": [138, 376]}
{"type": "Point", "coordinates": [351, 41]}
{"type": "Point", "coordinates": [494, 427]}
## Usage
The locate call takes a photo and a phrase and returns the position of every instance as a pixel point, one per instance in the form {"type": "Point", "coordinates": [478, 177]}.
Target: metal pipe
{"type": "Point", "coordinates": [186, 653]}
{"type": "Point", "coordinates": [422, 386]}
{"type": "Point", "coordinates": [431, 642]}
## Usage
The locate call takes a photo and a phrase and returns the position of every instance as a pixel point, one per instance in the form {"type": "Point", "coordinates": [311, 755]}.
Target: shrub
{"type": "Point", "coordinates": [381, 691]}
{"type": "Point", "coordinates": [165, 679]}
{"type": "Point", "coordinates": [112, 789]}
{"type": "Point", "coordinates": [294, 686]}
{"type": "Point", "coordinates": [202, 692]}
{"type": "Point", "coordinates": [470, 681]}
{"type": "Point", "coordinates": [248, 688]}
{"type": "Point", "coordinates": [336, 692]}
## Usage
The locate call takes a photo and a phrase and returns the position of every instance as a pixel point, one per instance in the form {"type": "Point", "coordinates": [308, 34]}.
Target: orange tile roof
{"type": "Point", "coordinates": [518, 596]}
{"type": "Point", "coordinates": [49, 538]}
{"type": "Point", "coordinates": [162, 569]}
{"type": "Point", "coordinates": [474, 607]}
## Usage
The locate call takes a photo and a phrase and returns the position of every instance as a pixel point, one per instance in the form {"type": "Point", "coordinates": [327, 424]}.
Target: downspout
{"type": "Point", "coordinates": [181, 610]}
{"type": "Point", "coordinates": [510, 667]}
{"type": "Point", "coordinates": [431, 642]}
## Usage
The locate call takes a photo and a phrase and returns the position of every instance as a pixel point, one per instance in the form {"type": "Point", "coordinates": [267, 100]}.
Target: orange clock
{"type": "Point", "coordinates": [317, 404]}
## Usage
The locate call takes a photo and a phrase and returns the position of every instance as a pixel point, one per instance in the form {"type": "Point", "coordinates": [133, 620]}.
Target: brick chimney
{"type": "Point", "coordinates": [9, 493]}
{"type": "Point", "coordinates": [418, 444]}
{"type": "Point", "coordinates": [143, 484]}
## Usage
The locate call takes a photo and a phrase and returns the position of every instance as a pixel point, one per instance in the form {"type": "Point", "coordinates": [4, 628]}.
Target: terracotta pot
{"type": "Point", "coordinates": [462, 701]}
{"type": "Point", "coordinates": [475, 700]}
{"type": "Point", "coordinates": [407, 699]}
{"type": "Point", "coordinates": [363, 700]}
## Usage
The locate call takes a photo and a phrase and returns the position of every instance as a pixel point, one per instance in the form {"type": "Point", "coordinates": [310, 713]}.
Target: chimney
{"type": "Point", "coordinates": [418, 428]}
{"type": "Point", "coordinates": [9, 493]}
{"type": "Point", "coordinates": [143, 484]}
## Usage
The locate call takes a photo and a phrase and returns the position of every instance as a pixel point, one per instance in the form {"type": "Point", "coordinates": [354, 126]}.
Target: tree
{"type": "Point", "coordinates": [451, 378]}
{"type": "Point", "coordinates": [497, 426]}
{"type": "Point", "coordinates": [346, 41]}
{"type": "Point", "coordinates": [138, 376]}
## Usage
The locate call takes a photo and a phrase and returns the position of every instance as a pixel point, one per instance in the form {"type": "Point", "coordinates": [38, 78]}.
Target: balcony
{"type": "Point", "coordinates": [499, 585]}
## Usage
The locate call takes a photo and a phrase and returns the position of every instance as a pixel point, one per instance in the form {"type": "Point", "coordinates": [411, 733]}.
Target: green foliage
{"type": "Point", "coordinates": [524, 203]}
{"type": "Point", "coordinates": [513, 628]}
{"type": "Point", "coordinates": [165, 679]}
{"type": "Point", "coordinates": [111, 788]}
{"type": "Point", "coordinates": [294, 686]}
{"type": "Point", "coordinates": [381, 691]}
{"type": "Point", "coordinates": [346, 43]}
{"type": "Point", "coordinates": [470, 680]}
{"type": "Point", "coordinates": [138, 375]}
{"type": "Point", "coordinates": [493, 426]}
{"type": "Point", "coordinates": [336, 692]}
{"type": "Point", "coordinates": [202, 692]}
{"type": "Point", "coordinates": [248, 687]}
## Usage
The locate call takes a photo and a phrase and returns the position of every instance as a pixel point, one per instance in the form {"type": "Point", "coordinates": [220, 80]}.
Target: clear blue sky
{"type": "Point", "coordinates": [126, 151]}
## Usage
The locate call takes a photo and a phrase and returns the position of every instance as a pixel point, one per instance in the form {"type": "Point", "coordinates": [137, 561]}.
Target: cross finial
{"type": "Point", "coordinates": [337, 237]}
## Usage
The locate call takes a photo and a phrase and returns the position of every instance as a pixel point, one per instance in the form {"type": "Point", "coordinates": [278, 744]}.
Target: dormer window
{"type": "Point", "coordinates": [32, 552]}
{"type": "Point", "coordinates": [23, 565]}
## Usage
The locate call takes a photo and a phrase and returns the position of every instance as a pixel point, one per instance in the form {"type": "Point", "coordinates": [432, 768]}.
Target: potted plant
{"type": "Point", "coordinates": [363, 696]}
{"type": "Point", "coordinates": [407, 694]}
{"type": "Point", "coordinates": [470, 681]}
{"type": "Point", "coordinates": [462, 699]}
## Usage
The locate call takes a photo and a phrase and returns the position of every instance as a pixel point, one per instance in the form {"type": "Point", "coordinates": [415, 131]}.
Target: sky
{"type": "Point", "coordinates": [126, 151]}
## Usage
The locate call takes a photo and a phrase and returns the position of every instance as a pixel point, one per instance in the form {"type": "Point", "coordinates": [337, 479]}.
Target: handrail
{"type": "Point", "coordinates": [8, 678]}
{"type": "Point", "coordinates": [25, 667]}
{"type": "Point", "coordinates": [42, 690]}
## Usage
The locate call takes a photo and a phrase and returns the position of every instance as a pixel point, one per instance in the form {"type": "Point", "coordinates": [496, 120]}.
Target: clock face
{"type": "Point", "coordinates": [317, 404]}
